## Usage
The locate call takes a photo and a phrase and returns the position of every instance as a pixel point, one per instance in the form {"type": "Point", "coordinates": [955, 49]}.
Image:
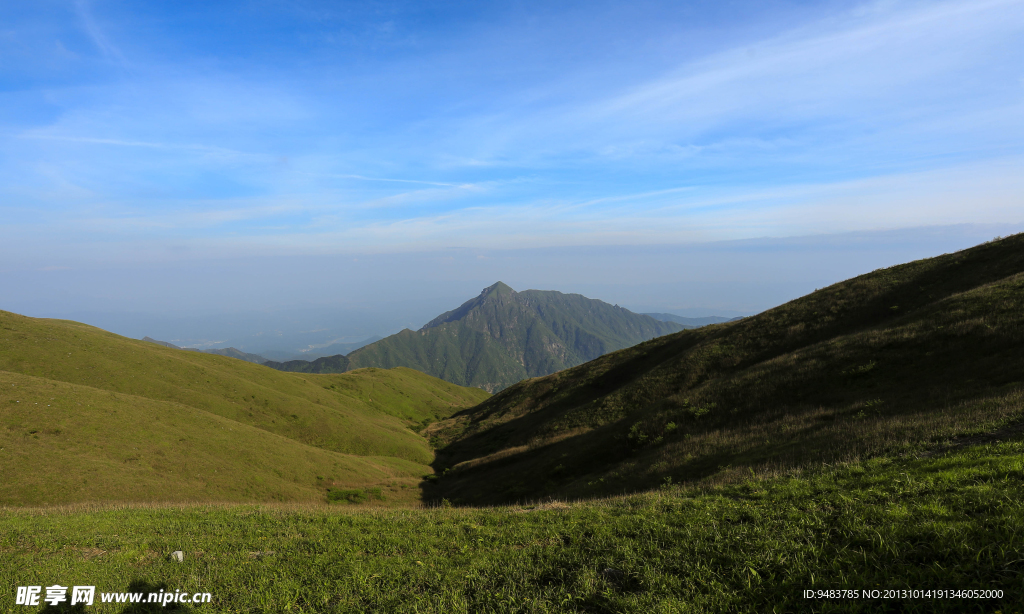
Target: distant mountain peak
{"type": "Point", "coordinates": [499, 288]}
{"type": "Point", "coordinates": [496, 293]}
{"type": "Point", "coordinates": [500, 337]}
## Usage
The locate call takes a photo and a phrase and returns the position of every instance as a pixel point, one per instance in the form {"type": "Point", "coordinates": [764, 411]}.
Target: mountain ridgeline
{"type": "Point", "coordinates": [502, 337]}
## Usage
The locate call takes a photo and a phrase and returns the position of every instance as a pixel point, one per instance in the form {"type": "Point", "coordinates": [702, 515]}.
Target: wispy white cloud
{"type": "Point", "coordinates": [43, 136]}
{"type": "Point", "coordinates": [631, 199]}
{"type": "Point", "coordinates": [99, 38]}
{"type": "Point", "coordinates": [971, 194]}
{"type": "Point", "coordinates": [385, 179]}
{"type": "Point", "coordinates": [992, 192]}
{"type": "Point", "coordinates": [882, 70]}
{"type": "Point", "coordinates": [847, 61]}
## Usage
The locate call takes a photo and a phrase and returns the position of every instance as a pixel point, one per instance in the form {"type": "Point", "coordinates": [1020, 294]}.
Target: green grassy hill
{"type": "Point", "coordinates": [74, 399]}
{"type": "Point", "coordinates": [65, 443]}
{"type": "Point", "coordinates": [882, 363]}
{"type": "Point", "coordinates": [501, 337]}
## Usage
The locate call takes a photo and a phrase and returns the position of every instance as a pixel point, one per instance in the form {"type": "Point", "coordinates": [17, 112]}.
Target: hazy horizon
{"type": "Point", "coordinates": [254, 172]}
{"type": "Point", "coordinates": [242, 305]}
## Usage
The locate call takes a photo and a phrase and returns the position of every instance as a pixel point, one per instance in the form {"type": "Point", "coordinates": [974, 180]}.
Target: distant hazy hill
{"type": "Point", "coordinates": [501, 337]}
{"type": "Point", "coordinates": [885, 363]}
{"type": "Point", "coordinates": [239, 354]}
{"type": "Point", "coordinates": [166, 344]}
{"type": "Point", "coordinates": [88, 415]}
{"type": "Point", "coordinates": [334, 349]}
{"type": "Point", "coordinates": [689, 322]}
{"type": "Point", "coordinates": [229, 352]}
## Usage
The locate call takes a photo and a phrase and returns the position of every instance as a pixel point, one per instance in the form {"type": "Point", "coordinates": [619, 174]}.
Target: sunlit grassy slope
{"type": "Point", "coordinates": [76, 402]}
{"type": "Point", "coordinates": [63, 443]}
{"type": "Point", "coordinates": [882, 363]}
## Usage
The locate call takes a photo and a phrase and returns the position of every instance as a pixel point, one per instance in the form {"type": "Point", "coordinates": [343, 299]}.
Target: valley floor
{"type": "Point", "coordinates": [952, 521]}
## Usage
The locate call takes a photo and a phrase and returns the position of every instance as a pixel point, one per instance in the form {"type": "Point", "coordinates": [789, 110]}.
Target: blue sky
{"type": "Point", "coordinates": [164, 136]}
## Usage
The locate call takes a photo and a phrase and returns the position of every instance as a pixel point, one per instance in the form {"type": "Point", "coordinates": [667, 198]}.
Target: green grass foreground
{"type": "Point", "coordinates": [950, 521]}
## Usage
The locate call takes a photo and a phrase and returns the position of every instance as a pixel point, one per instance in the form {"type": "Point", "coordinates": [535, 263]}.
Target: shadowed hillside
{"type": "Point", "coordinates": [77, 402]}
{"type": "Point", "coordinates": [884, 362]}
{"type": "Point", "coordinates": [501, 337]}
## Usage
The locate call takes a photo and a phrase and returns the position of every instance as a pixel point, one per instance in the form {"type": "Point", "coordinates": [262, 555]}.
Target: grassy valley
{"type": "Point", "coordinates": [866, 438]}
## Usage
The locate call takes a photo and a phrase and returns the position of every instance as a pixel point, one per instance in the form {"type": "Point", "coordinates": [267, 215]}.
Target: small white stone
{"type": "Point", "coordinates": [178, 555]}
